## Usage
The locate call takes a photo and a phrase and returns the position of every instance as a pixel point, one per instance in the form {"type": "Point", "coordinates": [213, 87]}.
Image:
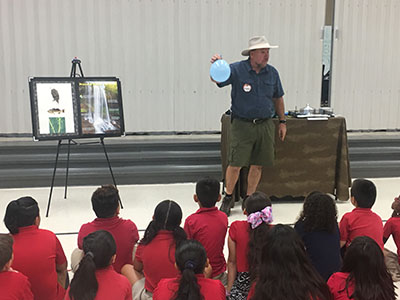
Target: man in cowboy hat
{"type": "Point", "coordinates": [257, 95]}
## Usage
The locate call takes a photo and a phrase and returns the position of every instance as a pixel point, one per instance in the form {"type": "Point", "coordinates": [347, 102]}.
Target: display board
{"type": "Point", "coordinates": [76, 107]}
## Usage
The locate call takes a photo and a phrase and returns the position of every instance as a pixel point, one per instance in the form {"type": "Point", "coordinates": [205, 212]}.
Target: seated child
{"type": "Point", "coordinates": [361, 221]}
{"type": "Point", "coordinates": [286, 271]}
{"type": "Point", "coordinates": [245, 242]}
{"type": "Point", "coordinates": [392, 227]}
{"type": "Point", "coordinates": [155, 254]}
{"type": "Point", "coordinates": [38, 253]}
{"type": "Point", "coordinates": [105, 203]}
{"type": "Point", "coordinates": [95, 278]}
{"type": "Point", "coordinates": [208, 225]}
{"type": "Point", "coordinates": [364, 274]}
{"type": "Point", "coordinates": [191, 261]}
{"type": "Point", "coordinates": [318, 228]}
{"type": "Point", "coordinates": [13, 285]}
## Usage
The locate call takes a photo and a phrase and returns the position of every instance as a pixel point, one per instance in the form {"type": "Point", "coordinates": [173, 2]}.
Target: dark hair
{"type": "Point", "coordinates": [396, 207]}
{"type": "Point", "coordinates": [21, 213]}
{"type": "Point", "coordinates": [167, 216]}
{"type": "Point", "coordinates": [365, 262]}
{"type": "Point", "coordinates": [257, 236]}
{"type": "Point", "coordinates": [105, 201]}
{"type": "Point", "coordinates": [207, 190]}
{"type": "Point", "coordinates": [286, 271]}
{"type": "Point", "coordinates": [364, 192]}
{"type": "Point", "coordinates": [319, 213]}
{"type": "Point", "coordinates": [99, 247]}
{"type": "Point", "coordinates": [191, 259]}
{"type": "Point", "coordinates": [6, 249]}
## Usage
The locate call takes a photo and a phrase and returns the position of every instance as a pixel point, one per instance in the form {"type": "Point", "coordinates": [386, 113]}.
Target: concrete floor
{"type": "Point", "coordinates": [67, 215]}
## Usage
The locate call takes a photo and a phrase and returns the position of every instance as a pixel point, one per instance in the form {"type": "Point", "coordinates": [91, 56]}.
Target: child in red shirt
{"type": "Point", "coordinates": [361, 221]}
{"type": "Point", "coordinates": [155, 255]}
{"type": "Point", "coordinates": [38, 253]}
{"type": "Point", "coordinates": [95, 278]}
{"type": "Point", "coordinates": [245, 241]}
{"type": "Point", "coordinates": [285, 270]}
{"type": "Point", "coordinates": [13, 285]}
{"type": "Point", "coordinates": [208, 225]}
{"type": "Point", "coordinates": [191, 260]}
{"type": "Point", "coordinates": [105, 203]}
{"type": "Point", "coordinates": [392, 227]}
{"type": "Point", "coordinates": [364, 274]}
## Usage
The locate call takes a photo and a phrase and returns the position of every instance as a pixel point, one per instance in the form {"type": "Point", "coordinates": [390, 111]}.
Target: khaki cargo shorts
{"type": "Point", "coordinates": [252, 144]}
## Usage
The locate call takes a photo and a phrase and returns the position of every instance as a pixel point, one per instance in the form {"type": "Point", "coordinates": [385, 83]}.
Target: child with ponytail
{"type": "Point", "coordinates": [245, 242]}
{"type": "Point", "coordinates": [38, 253]}
{"type": "Point", "coordinates": [191, 260]}
{"type": "Point", "coordinates": [155, 254]}
{"type": "Point", "coordinates": [95, 278]}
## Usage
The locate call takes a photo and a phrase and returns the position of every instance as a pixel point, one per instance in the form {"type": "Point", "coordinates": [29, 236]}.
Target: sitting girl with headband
{"type": "Point", "coordinates": [95, 277]}
{"type": "Point", "coordinates": [191, 260]}
{"type": "Point", "coordinates": [155, 255]}
{"type": "Point", "coordinates": [245, 242]}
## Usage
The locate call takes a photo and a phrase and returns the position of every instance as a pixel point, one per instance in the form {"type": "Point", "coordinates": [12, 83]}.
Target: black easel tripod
{"type": "Point", "coordinates": [75, 62]}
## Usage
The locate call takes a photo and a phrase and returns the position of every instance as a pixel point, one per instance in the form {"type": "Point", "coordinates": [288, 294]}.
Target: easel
{"type": "Point", "coordinates": [75, 62]}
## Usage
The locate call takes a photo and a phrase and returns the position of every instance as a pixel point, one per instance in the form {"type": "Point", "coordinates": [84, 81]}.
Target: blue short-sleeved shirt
{"type": "Point", "coordinates": [252, 93]}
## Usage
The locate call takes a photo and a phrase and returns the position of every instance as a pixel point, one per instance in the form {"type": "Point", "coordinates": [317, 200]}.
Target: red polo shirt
{"type": "Point", "coordinates": [210, 289]}
{"type": "Point", "coordinates": [111, 286]}
{"type": "Point", "coordinates": [209, 226]}
{"type": "Point", "coordinates": [361, 222]}
{"type": "Point", "coordinates": [239, 233]}
{"type": "Point", "coordinates": [337, 285]}
{"type": "Point", "coordinates": [158, 259]}
{"type": "Point", "coordinates": [124, 232]}
{"type": "Point", "coordinates": [36, 254]}
{"type": "Point", "coordinates": [14, 286]}
{"type": "Point", "coordinates": [392, 227]}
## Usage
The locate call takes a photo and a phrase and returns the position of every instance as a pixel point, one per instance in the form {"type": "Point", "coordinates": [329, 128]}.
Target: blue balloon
{"type": "Point", "coordinates": [220, 70]}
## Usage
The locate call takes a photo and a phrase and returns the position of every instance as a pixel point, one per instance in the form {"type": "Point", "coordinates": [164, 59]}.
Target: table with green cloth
{"type": "Point", "coordinates": [313, 157]}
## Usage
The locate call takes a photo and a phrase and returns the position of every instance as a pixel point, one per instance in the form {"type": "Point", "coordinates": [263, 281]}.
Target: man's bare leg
{"type": "Point", "coordinates": [253, 178]}
{"type": "Point", "coordinates": [231, 177]}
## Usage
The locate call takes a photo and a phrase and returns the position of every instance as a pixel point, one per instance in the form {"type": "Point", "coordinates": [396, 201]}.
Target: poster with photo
{"type": "Point", "coordinates": [100, 107]}
{"type": "Point", "coordinates": [55, 108]}
{"type": "Point", "coordinates": [76, 107]}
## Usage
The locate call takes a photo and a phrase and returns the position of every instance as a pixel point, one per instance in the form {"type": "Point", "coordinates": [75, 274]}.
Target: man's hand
{"type": "Point", "coordinates": [282, 131]}
{"type": "Point", "coordinates": [215, 57]}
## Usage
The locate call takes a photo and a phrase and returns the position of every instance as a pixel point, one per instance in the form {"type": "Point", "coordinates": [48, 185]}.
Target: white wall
{"type": "Point", "coordinates": [160, 49]}
{"type": "Point", "coordinates": [366, 63]}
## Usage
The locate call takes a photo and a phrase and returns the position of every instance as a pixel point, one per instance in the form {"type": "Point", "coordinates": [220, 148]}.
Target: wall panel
{"type": "Point", "coordinates": [366, 65]}
{"type": "Point", "coordinates": [160, 49]}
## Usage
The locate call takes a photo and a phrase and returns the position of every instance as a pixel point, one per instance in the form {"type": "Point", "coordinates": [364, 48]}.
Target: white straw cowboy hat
{"type": "Point", "coordinates": [257, 42]}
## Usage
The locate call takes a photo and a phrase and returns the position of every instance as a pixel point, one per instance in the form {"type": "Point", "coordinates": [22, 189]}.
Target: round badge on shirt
{"type": "Point", "coordinates": [246, 87]}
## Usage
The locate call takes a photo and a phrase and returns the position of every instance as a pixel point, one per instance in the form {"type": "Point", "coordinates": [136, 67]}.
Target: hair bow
{"type": "Point", "coordinates": [256, 218]}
